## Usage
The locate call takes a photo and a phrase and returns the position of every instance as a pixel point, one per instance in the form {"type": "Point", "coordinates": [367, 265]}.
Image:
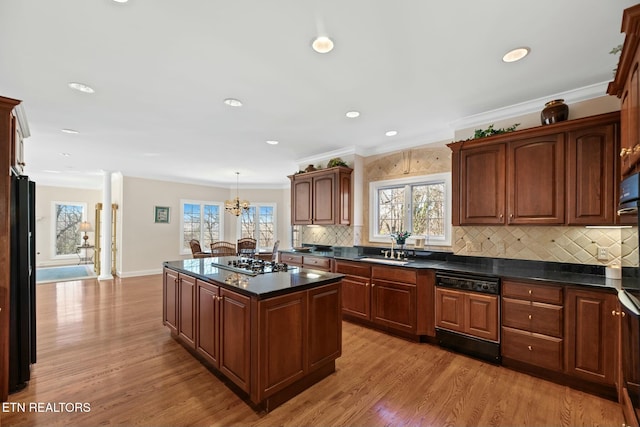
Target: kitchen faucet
{"type": "Point", "coordinates": [392, 246]}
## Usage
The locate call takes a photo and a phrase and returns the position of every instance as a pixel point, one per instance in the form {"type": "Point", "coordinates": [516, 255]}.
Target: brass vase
{"type": "Point", "coordinates": [554, 111]}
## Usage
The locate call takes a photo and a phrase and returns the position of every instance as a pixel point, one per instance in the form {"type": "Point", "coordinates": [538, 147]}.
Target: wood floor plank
{"type": "Point", "coordinates": [104, 344]}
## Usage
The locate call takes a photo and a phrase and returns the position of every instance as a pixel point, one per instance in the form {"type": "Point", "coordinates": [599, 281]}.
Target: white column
{"type": "Point", "coordinates": [105, 229]}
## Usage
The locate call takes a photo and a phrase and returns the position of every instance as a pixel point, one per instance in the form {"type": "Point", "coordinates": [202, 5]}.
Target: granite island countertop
{"type": "Point", "coordinates": [260, 286]}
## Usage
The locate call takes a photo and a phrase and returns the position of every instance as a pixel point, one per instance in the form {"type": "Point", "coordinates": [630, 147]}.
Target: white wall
{"type": "Point", "coordinates": [45, 197]}
{"type": "Point", "coordinates": [145, 244]}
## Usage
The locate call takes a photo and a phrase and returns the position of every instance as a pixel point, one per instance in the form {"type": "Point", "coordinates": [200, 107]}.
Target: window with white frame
{"type": "Point", "coordinates": [420, 205]}
{"type": "Point", "coordinates": [259, 222]}
{"type": "Point", "coordinates": [202, 221]}
{"type": "Point", "coordinates": [66, 227]}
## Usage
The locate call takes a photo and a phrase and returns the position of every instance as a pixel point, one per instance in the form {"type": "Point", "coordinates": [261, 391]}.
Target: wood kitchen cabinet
{"type": "Point", "coordinates": [482, 181]}
{"type": "Point", "coordinates": [564, 173]}
{"type": "Point", "coordinates": [626, 86]}
{"type": "Point", "coordinates": [535, 180]}
{"type": "Point", "coordinates": [186, 309]}
{"type": "Point", "coordinates": [306, 261]}
{"type": "Point", "coordinates": [170, 300]}
{"type": "Point", "coordinates": [533, 324]}
{"type": "Point", "coordinates": [591, 175]}
{"type": "Point", "coordinates": [356, 288]}
{"type": "Point", "coordinates": [20, 132]}
{"type": "Point", "coordinates": [393, 299]}
{"type": "Point", "coordinates": [591, 335]}
{"type": "Point", "coordinates": [270, 348]}
{"type": "Point", "coordinates": [321, 197]}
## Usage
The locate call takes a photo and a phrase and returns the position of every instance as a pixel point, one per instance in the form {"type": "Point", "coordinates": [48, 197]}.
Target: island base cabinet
{"type": "Point", "coordinates": [235, 337]}
{"type": "Point", "coordinates": [170, 300]}
{"type": "Point", "coordinates": [208, 331]}
{"type": "Point", "coordinates": [271, 348]}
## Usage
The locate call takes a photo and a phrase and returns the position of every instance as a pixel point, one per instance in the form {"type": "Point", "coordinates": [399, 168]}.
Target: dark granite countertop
{"type": "Point", "coordinates": [552, 272]}
{"type": "Point", "coordinates": [261, 286]}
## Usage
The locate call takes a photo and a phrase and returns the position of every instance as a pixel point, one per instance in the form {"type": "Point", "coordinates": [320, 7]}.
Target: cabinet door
{"type": "Point", "coordinates": [208, 324]}
{"type": "Point", "coordinates": [301, 201]}
{"type": "Point", "coordinates": [235, 337]}
{"type": "Point", "coordinates": [482, 316]}
{"type": "Point", "coordinates": [356, 296]}
{"type": "Point", "coordinates": [482, 182]}
{"type": "Point", "coordinates": [324, 209]}
{"type": "Point", "coordinates": [450, 309]}
{"type": "Point", "coordinates": [325, 325]}
{"type": "Point", "coordinates": [186, 312]}
{"type": "Point", "coordinates": [535, 177]}
{"type": "Point", "coordinates": [170, 300]}
{"type": "Point", "coordinates": [591, 335]}
{"type": "Point", "coordinates": [394, 305]}
{"type": "Point", "coordinates": [283, 345]}
{"type": "Point", "coordinates": [590, 176]}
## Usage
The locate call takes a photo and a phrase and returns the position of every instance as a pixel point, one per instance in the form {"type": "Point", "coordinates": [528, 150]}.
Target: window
{"type": "Point", "coordinates": [259, 222]}
{"type": "Point", "coordinates": [421, 205]}
{"type": "Point", "coordinates": [201, 221]}
{"type": "Point", "coordinates": [68, 216]}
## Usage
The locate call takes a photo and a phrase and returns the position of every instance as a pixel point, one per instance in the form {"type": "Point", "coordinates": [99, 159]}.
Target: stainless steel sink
{"type": "Point", "coordinates": [385, 261]}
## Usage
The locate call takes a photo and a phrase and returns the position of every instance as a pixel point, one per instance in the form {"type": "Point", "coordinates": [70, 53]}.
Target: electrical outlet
{"type": "Point", "coordinates": [500, 247]}
{"type": "Point", "coordinates": [602, 253]}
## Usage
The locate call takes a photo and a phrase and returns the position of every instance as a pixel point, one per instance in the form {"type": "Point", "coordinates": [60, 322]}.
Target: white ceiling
{"type": "Point", "coordinates": [162, 68]}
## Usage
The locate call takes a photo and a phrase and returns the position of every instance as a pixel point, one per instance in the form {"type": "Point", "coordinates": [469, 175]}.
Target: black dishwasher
{"type": "Point", "coordinates": [468, 314]}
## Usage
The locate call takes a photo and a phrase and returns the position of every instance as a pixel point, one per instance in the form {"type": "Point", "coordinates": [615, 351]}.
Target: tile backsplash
{"type": "Point", "coordinates": [577, 245]}
{"type": "Point", "coordinates": [330, 235]}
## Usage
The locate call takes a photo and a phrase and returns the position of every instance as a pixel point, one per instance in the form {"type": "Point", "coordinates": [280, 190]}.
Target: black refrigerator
{"type": "Point", "coordinates": [22, 314]}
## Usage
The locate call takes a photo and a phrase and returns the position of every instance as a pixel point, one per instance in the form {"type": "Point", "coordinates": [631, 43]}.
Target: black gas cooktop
{"type": "Point", "coordinates": [253, 266]}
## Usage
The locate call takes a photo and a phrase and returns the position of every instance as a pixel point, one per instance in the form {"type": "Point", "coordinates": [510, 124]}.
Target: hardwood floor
{"type": "Point", "coordinates": [104, 344]}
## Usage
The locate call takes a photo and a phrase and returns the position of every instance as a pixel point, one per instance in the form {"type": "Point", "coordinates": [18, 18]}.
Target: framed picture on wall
{"type": "Point", "coordinates": [161, 215]}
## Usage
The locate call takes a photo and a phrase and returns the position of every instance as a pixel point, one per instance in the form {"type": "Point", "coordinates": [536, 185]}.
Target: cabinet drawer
{"type": "Point", "coordinates": [532, 292]}
{"type": "Point", "coordinates": [395, 274]}
{"type": "Point", "coordinates": [319, 263]}
{"type": "Point", "coordinates": [537, 317]}
{"type": "Point", "coordinates": [353, 268]}
{"type": "Point", "coordinates": [531, 348]}
{"type": "Point", "coordinates": [290, 258]}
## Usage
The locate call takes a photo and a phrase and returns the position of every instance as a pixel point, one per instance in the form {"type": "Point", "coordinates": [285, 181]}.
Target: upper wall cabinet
{"type": "Point", "coordinates": [321, 197]}
{"type": "Point", "coordinates": [626, 86]}
{"type": "Point", "coordinates": [564, 173]}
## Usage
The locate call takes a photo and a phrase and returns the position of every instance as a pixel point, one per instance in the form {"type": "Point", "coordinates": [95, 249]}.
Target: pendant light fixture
{"type": "Point", "coordinates": [235, 206]}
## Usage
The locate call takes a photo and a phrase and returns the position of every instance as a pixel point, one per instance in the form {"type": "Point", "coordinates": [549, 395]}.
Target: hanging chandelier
{"type": "Point", "coordinates": [236, 206]}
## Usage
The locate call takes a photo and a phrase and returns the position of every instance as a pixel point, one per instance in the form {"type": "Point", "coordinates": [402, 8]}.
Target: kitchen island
{"type": "Point", "coordinates": [271, 334]}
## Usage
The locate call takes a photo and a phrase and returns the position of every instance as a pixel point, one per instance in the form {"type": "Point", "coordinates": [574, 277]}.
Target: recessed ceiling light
{"type": "Point", "coordinates": [120, 1]}
{"type": "Point", "coordinates": [69, 131]}
{"type": "Point", "coordinates": [352, 114]}
{"type": "Point", "coordinates": [272, 142]}
{"type": "Point", "coordinates": [516, 54]}
{"type": "Point", "coordinates": [232, 102]}
{"type": "Point", "coordinates": [322, 44]}
{"type": "Point", "coordinates": [81, 87]}
{"type": "Point", "coordinates": [391, 133]}
{"type": "Point", "coordinates": [65, 154]}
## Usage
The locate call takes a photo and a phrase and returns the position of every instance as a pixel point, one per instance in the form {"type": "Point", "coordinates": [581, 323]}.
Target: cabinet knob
{"type": "Point", "coordinates": [366, 284]}
{"type": "Point", "coordinates": [529, 317]}
{"type": "Point", "coordinates": [530, 291]}
{"type": "Point", "coordinates": [530, 348]}
{"type": "Point", "coordinates": [501, 216]}
{"type": "Point", "coordinates": [373, 284]}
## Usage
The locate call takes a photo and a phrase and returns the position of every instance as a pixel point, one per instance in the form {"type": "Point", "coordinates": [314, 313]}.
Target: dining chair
{"type": "Point", "coordinates": [222, 248]}
{"type": "Point", "coordinates": [196, 249]}
{"type": "Point", "coordinates": [247, 247]}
